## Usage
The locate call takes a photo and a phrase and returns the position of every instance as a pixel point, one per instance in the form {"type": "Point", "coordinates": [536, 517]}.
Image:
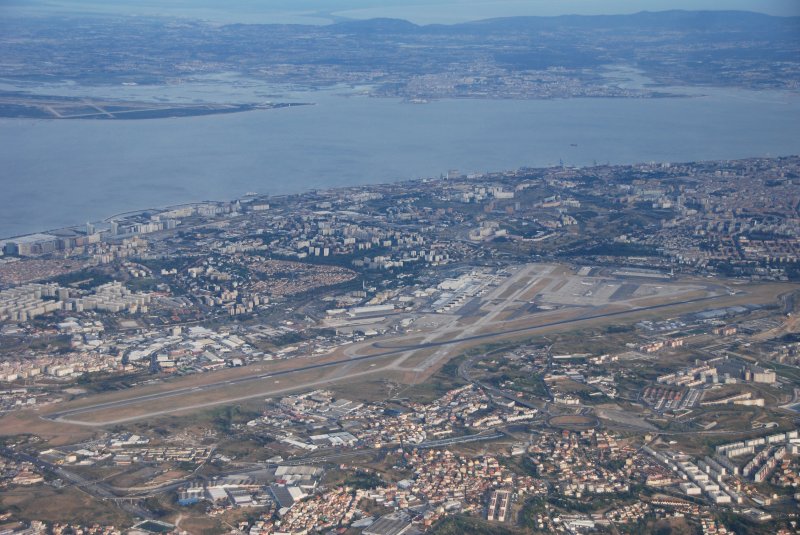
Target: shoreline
{"type": "Point", "coordinates": [56, 108]}
{"type": "Point", "coordinates": [97, 168]}
{"type": "Point", "coordinates": [170, 207]}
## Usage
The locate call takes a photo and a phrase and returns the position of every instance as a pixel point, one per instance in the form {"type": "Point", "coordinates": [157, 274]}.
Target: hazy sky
{"type": "Point", "coordinates": [419, 11]}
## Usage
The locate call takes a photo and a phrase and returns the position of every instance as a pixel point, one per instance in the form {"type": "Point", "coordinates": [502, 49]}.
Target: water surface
{"type": "Point", "coordinates": [58, 173]}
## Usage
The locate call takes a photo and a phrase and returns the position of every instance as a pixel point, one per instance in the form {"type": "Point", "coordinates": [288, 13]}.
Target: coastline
{"type": "Point", "coordinates": [70, 171]}
{"type": "Point", "coordinates": [155, 210]}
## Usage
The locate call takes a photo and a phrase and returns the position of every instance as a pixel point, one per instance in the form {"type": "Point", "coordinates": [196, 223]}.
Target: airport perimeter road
{"type": "Point", "coordinates": [68, 414]}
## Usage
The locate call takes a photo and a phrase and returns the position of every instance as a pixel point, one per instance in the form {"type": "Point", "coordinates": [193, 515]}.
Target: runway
{"type": "Point", "coordinates": [68, 415]}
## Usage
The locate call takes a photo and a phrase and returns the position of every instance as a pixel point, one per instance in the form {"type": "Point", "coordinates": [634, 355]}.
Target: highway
{"type": "Point", "coordinates": [92, 488]}
{"type": "Point", "coordinates": [459, 440]}
{"type": "Point", "coordinates": [125, 496]}
{"type": "Point", "coordinates": [63, 415]}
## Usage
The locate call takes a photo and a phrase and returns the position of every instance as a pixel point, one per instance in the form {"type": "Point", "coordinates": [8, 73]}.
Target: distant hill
{"type": "Point", "coordinates": [662, 20]}
{"type": "Point", "coordinates": [381, 25]}
{"type": "Point", "coordinates": [517, 57]}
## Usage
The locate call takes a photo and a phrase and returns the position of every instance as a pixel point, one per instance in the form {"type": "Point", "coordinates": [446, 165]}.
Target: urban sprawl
{"type": "Point", "coordinates": [607, 349]}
